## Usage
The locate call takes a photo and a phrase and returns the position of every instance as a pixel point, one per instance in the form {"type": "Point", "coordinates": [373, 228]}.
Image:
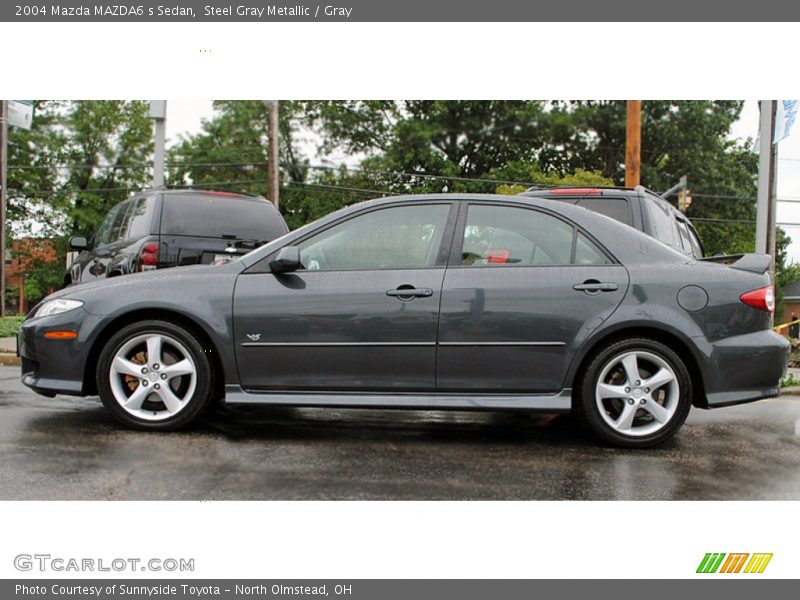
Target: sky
{"type": "Point", "coordinates": [186, 116]}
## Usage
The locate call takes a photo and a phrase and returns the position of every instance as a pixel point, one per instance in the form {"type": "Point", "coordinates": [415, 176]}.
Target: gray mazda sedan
{"type": "Point", "coordinates": [426, 302]}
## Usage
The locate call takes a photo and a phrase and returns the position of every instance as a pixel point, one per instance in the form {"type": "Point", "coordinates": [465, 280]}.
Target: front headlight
{"type": "Point", "coordinates": [55, 307]}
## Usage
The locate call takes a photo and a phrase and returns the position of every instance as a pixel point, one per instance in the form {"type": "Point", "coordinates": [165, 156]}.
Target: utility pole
{"type": "Point", "coordinates": [273, 168]}
{"type": "Point", "coordinates": [3, 197]}
{"type": "Point", "coordinates": [158, 112]}
{"type": "Point", "coordinates": [767, 182]}
{"type": "Point", "coordinates": [633, 143]}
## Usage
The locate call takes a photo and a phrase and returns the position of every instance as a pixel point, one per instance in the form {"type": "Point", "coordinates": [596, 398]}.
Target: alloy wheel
{"type": "Point", "coordinates": [637, 393]}
{"type": "Point", "coordinates": [153, 376]}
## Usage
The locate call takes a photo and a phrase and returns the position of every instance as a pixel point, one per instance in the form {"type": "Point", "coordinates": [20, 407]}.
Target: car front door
{"type": "Point", "coordinates": [360, 316]}
{"type": "Point", "coordinates": [523, 290]}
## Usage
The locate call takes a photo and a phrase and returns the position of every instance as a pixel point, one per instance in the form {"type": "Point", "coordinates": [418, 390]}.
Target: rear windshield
{"type": "Point", "coordinates": [616, 208]}
{"type": "Point", "coordinates": [204, 215]}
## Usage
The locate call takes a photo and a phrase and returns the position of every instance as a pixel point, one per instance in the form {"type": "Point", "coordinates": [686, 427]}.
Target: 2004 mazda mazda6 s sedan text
{"type": "Point", "coordinates": [437, 301]}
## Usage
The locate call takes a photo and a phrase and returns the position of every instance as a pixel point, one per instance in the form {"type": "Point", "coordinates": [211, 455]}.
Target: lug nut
{"type": "Point", "coordinates": [156, 367]}
{"type": "Point", "coordinates": [144, 370]}
{"type": "Point", "coordinates": [646, 390]}
{"type": "Point", "coordinates": [157, 386]}
{"type": "Point", "coordinates": [163, 376]}
{"type": "Point", "coordinates": [627, 390]}
{"type": "Point", "coordinates": [630, 400]}
{"type": "Point", "coordinates": [145, 383]}
{"type": "Point", "coordinates": [642, 401]}
{"type": "Point", "coordinates": [638, 382]}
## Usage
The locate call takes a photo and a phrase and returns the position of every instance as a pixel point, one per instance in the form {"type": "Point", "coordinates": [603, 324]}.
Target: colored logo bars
{"type": "Point", "coordinates": [734, 563]}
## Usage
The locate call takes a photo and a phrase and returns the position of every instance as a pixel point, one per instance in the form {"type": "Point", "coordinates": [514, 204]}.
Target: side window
{"type": "Point", "coordinates": [663, 225]}
{"type": "Point", "coordinates": [140, 218]}
{"type": "Point", "coordinates": [689, 239]}
{"type": "Point", "coordinates": [505, 235]}
{"type": "Point", "coordinates": [683, 231]}
{"type": "Point", "coordinates": [120, 225]}
{"type": "Point", "coordinates": [401, 237]}
{"type": "Point", "coordinates": [103, 234]}
{"type": "Point", "coordinates": [586, 253]}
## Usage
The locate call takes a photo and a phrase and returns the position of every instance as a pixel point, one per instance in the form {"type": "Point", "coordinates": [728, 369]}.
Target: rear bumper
{"type": "Point", "coordinates": [745, 368]}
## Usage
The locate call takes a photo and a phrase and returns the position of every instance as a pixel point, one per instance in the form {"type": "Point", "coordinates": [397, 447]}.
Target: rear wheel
{"type": "Point", "coordinates": [154, 375]}
{"type": "Point", "coordinates": [635, 393]}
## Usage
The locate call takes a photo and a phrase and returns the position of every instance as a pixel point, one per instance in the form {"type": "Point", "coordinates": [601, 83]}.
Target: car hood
{"type": "Point", "coordinates": [175, 278]}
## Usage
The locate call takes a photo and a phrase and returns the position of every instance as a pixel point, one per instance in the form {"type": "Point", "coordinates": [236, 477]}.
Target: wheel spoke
{"type": "Point", "coordinates": [631, 365]}
{"type": "Point", "coordinates": [659, 413]}
{"type": "Point", "coordinates": [604, 390]}
{"type": "Point", "coordinates": [184, 367]}
{"type": "Point", "coordinates": [625, 420]}
{"type": "Point", "coordinates": [171, 401]}
{"type": "Point", "coordinates": [154, 349]}
{"type": "Point", "coordinates": [137, 398]}
{"type": "Point", "coordinates": [123, 366]}
{"type": "Point", "coordinates": [662, 377]}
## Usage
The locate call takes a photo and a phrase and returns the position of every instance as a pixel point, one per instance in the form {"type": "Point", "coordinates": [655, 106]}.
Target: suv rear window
{"type": "Point", "coordinates": [206, 215]}
{"type": "Point", "coordinates": [616, 208]}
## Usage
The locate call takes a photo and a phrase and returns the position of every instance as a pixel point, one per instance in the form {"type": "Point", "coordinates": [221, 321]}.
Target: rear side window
{"type": "Point", "coordinates": [511, 236]}
{"type": "Point", "coordinates": [616, 208]}
{"type": "Point", "coordinates": [140, 217]}
{"type": "Point", "coordinates": [662, 225]}
{"type": "Point", "coordinates": [206, 215]}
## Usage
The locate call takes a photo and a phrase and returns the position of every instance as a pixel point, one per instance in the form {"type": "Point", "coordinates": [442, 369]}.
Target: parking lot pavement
{"type": "Point", "coordinates": [70, 449]}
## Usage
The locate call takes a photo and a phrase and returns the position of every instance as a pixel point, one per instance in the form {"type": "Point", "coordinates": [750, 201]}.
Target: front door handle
{"type": "Point", "coordinates": [409, 293]}
{"type": "Point", "coordinates": [595, 286]}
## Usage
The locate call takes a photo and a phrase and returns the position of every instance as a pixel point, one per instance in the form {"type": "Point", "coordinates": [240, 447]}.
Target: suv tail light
{"type": "Point", "coordinates": [762, 298]}
{"type": "Point", "coordinates": [148, 257]}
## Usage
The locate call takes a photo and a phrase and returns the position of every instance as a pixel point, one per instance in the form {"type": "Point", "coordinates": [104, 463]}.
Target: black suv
{"type": "Point", "coordinates": [638, 207]}
{"type": "Point", "coordinates": [170, 228]}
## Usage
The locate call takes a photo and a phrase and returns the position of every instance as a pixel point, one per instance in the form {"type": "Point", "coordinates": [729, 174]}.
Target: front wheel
{"type": "Point", "coordinates": [154, 375]}
{"type": "Point", "coordinates": [635, 393]}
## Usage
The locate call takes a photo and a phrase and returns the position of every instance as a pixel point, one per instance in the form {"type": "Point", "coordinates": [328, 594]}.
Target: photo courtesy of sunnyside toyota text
{"type": "Point", "coordinates": [384, 300]}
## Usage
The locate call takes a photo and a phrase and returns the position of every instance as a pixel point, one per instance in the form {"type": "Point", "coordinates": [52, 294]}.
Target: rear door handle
{"type": "Point", "coordinates": [408, 293]}
{"type": "Point", "coordinates": [595, 286]}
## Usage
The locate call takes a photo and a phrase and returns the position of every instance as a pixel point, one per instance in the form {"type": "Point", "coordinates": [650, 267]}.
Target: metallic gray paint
{"type": "Point", "coordinates": [505, 337]}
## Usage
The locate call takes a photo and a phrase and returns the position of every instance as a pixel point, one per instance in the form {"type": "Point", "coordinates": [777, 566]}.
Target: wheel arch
{"type": "Point", "coordinates": [110, 328]}
{"type": "Point", "coordinates": [671, 339]}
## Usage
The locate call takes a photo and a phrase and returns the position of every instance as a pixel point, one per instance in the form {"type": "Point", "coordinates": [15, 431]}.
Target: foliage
{"type": "Point", "coordinates": [580, 178]}
{"type": "Point", "coordinates": [9, 326]}
{"type": "Point", "coordinates": [790, 381]}
{"type": "Point", "coordinates": [77, 161]}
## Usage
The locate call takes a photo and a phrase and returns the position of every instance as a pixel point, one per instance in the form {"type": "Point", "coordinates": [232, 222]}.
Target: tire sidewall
{"type": "Point", "coordinates": [587, 387]}
{"type": "Point", "coordinates": [196, 404]}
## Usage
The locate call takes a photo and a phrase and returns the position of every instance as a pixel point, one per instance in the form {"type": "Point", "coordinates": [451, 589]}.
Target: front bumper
{"type": "Point", "coordinates": [55, 366]}
{"type": "Point", "coordinates": [745, 368]}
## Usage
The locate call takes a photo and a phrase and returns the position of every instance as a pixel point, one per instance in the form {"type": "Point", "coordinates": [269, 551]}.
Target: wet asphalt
{"type": "Point", "coordinates": [70, 449]}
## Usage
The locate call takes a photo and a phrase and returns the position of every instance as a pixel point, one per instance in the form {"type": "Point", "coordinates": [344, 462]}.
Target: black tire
{"type": "Point", "coordinates": [192, 408]}
{"type": "Point", "coordinates": [588, 404]}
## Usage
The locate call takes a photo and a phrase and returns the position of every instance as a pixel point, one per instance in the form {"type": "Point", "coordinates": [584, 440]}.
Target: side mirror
{"type": "Point", "coordinates": [78, 242]}
{"type": "Point", "coordinates": [286, 260]}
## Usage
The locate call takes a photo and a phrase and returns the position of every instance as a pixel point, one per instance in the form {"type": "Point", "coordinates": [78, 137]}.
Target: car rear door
{"type": "Point", "coordinates": [361, 316]}
{"type": "Point", "coordinates": [523, 289]}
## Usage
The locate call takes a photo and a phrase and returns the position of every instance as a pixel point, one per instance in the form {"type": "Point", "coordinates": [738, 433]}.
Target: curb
{"type": "Point", "coordinates": [8, 359]}
{"type": "Point", "coordinates": [791, 391]}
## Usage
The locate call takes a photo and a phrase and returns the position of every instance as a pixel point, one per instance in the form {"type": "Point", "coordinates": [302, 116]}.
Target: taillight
{"type": "Point", "coordinates": [148, 256]}
{"type": "Point", "coordinates": [762, 298]}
